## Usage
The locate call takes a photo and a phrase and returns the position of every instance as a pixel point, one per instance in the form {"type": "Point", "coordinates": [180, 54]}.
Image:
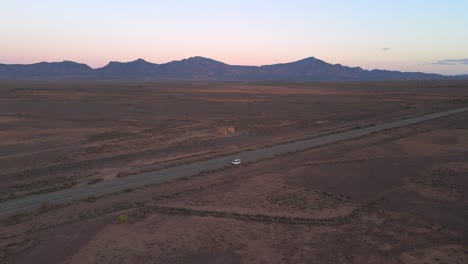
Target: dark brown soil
{"type": "Point", "coordinates": [395, 197]}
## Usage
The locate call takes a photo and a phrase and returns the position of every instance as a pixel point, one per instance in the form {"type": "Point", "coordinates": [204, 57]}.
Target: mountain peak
{"type": "Point", "coordinates": [140, 60]}
{"type": "Point", "coordinates": [201, 59]}
{"type": "Point", "coordinates": [198, 58]}
{"type": "Point", "coordinates": [311, 59]}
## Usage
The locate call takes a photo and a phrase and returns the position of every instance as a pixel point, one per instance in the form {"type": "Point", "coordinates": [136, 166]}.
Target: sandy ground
{"type": "Point", "coordinates": [396, 197]}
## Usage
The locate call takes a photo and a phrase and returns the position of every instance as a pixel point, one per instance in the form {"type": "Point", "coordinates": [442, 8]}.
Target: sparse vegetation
{"type": "Point", "coordinates": [45, 206]}
{"type": "Point", "coordinates": [107, 135]}
{"type": "Point", "coordinates": [122, 174]}
{"type": "Point", "coordinates": [93, 181]}
{"type": "Point", "coordinates": [56, 187]}
{"type": "Point", "coordinates": [15, 219]}
{"type": "Point", "coordinates": [7, 197]}
{"type": "Point", "coordinates": [122, 218]}
{"type": "Point", "coordinates": [90, 199]}
{"type": "Point", "coordinates": [458, 101]}
{"type": "Point", "coordinates": [437, 178]}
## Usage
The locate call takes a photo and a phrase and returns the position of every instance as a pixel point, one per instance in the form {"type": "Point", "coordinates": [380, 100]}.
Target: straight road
{"type": "Point", "coordinates": [119, 184]}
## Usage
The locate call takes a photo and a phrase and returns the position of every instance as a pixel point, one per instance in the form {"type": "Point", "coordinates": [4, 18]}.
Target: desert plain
{"type": "Point", "coordinates": [397, 196]}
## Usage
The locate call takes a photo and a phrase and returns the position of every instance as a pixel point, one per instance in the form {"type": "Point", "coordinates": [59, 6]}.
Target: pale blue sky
{"type": "Point", "coordinates": [416, 33]}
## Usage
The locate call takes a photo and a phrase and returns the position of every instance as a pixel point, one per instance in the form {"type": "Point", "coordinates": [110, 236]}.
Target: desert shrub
{"type": "Point", "coordinates": [45, 206]}
{"type": "Point", "coordinates": [93, 181]}
{"type": "Point", "coordinates": [122, 218]}
{"type": "Point", "coordinates": [15, 219]}
{"type": "Point", "coordinates": [56, 187]}
{"type": "Point", "coordinates": [91, 199]}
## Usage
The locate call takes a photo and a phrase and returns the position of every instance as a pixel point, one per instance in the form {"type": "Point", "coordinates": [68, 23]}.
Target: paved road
{"type": "Point", "coordinates": [119, 184]}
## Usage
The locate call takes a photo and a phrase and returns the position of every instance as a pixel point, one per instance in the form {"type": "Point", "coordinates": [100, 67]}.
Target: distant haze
{"type": "Point", "coordinates": [426, 36]}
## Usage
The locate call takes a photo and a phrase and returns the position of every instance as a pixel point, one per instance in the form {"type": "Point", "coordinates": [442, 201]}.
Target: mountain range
{"type": "Point", "coordinates": [200, 68]}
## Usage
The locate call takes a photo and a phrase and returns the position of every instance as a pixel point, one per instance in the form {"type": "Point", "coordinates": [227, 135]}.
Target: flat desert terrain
{"type": "Point", "coordinates": [399, 196]}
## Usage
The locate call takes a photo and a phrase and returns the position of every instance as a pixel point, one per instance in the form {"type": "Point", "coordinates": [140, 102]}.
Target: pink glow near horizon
{"type": "Point", "coordinates": [396, 36]}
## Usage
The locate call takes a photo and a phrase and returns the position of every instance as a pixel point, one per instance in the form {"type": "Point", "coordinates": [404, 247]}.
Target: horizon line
{"type": "Point", "coordinates": [198, 56]}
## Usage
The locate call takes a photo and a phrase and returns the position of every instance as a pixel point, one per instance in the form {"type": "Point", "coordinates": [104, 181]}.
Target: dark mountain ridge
{"type": "Point", "coordinates": [64, 69]}
{"type": "Point", "coordinates": [200, 68]}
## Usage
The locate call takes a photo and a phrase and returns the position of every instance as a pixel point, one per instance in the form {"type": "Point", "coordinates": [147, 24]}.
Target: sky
{"type": "Point", "coordinates": [410, 35]}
